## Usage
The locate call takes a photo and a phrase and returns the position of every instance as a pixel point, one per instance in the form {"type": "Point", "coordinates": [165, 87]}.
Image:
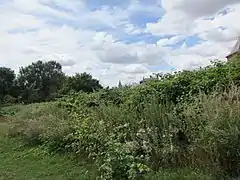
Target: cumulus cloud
{"type": "Point", "coordinates": [103, 38]}
{"type": "Point", "coordinates": [197, 8]}
{"type": "Point", "coordinates": [212, 22]}
{"type": "Point", "coordinates": [121, 53]}
{"type": "Point", "coordinates": [64, 59]}
{"type": "Point", "coordinates": [171, 40]}
{"type": "Point", "coordinates": [188, 16]}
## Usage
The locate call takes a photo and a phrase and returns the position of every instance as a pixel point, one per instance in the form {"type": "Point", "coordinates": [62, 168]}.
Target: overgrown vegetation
{"type": "Point", "coordinates": [181, 126]}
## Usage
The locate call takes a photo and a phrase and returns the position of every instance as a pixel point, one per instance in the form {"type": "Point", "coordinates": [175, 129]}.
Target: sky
{"type": "Point", "coordinates": [118, 39]}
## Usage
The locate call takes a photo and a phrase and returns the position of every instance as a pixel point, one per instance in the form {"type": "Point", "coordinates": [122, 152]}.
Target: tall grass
{"type": "Point", "coordinates": [42, 123]}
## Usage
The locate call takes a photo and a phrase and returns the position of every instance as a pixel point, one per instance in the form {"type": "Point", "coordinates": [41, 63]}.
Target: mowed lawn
{"type": "Point", "coordinates": [18, 162]}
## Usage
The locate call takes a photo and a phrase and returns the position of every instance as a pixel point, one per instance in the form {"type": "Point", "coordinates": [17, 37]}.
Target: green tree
{"type": "Point", "coordinates": [40, 81]}
{"type": "Point", "coordinates": [7, 77]}
{"type": "Point", "coordinates": [82, 82]}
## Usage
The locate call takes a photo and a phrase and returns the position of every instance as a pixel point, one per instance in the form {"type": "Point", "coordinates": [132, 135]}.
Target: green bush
{"type": "Point", "coordinates": [182, 86]}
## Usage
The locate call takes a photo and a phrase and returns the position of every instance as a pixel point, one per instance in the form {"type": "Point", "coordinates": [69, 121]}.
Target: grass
{"type": "Point", "coordinates": [18, 162]}
{"type": "Point", "coordinates": [15, 109]}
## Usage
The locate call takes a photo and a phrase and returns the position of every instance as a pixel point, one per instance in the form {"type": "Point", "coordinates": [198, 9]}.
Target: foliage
{"type": "Point", "coordinates": [40, 81]}
{"type": "Point", "coordinates": [7, 77]}
{"type": "Point", "coordinates": [81, 82]}
{"type": "Point", "coordinates": [186, 120]}
{"type": "Point", "coordinates": [183, 85]}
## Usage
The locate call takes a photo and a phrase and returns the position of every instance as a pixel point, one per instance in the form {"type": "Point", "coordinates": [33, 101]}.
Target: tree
{"type": "Point", "coordinates": [40, 81]}
{"type": "Point", "coordinates": [82, 82]}
{"type": "Point", "coordinates": [7, 77]}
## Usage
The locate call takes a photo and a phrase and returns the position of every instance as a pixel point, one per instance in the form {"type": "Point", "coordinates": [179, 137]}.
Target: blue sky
{"type": "Point", "coordinates": [117, 40]}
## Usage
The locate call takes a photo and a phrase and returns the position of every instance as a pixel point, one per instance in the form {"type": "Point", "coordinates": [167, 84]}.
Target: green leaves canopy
{"type": "Point", "coordinates": [40, 81]}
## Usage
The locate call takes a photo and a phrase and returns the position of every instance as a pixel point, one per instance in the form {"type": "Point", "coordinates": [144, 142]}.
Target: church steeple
{"type": "Point", "coordinates": [235, 50]}
{"type": "Point", "coordinates": [120, 84]}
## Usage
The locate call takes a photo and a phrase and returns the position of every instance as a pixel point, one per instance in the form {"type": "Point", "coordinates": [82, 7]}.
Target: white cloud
{"type": "Point", "coordinates": [65, 31]}
{"type": "Point", "coordinates": [212, 21]}
{"type": "Point", "coordinates": [197, 8]}
{"type": "Point", "coordinates": [64, 59]}
{"type": "Point", "coordinates": [133, 69]}
{"type": "Point", "coordinates": [184, 16]}
{"type": "Point", "coordinates": [72, 6]}
{"type": "Point", "coordinates": [136, 6]}
{"type": "Point", "coordinates": [131, 29]}
{"type": "Point", "coordinates": [121, 53]}
{"type": "Point", "coordinates": [219, 35]}
{"type": "Point", "coordinates": [36, 7]}
{"type": "Point", "coordinates": [77, 50]}
{"type": "Point", "coordinates": [191, 61]}
{"type": "Point", "coordinates": [170, 41]}
{"type": "Point", "coordinates": [173, 23]}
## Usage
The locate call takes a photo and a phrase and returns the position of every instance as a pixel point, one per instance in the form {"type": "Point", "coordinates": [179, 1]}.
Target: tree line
{"type": "Point", "coordinates": [42, 81]}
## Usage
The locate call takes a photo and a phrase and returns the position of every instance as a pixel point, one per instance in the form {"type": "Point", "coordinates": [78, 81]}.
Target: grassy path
{"type": "Point", "coordinates": [25, 163]}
